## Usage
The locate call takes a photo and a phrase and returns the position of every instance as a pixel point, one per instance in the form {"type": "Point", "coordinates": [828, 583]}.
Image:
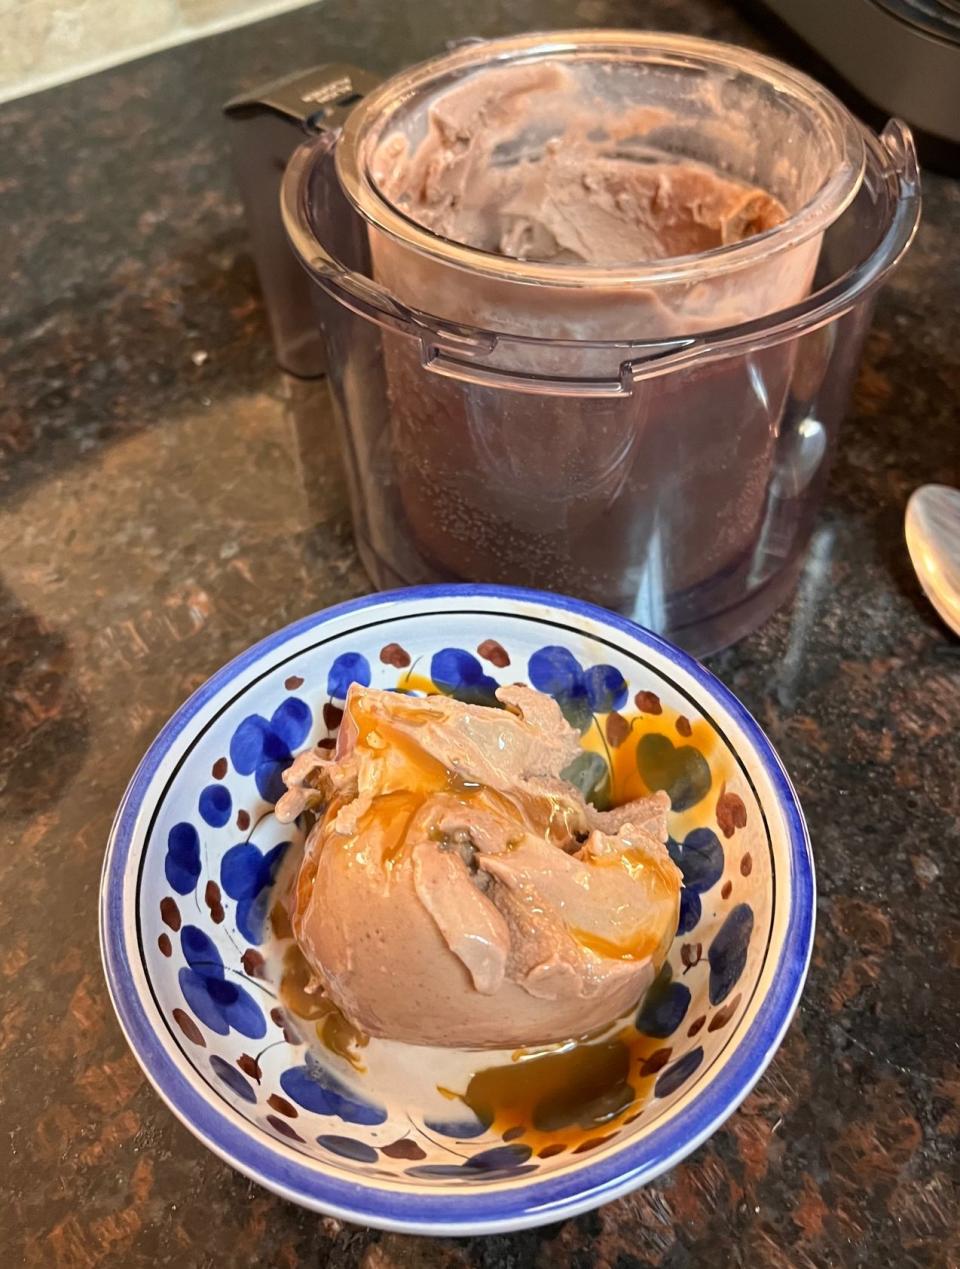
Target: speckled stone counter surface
{"type": "Point", "coordinates": [162, 507]}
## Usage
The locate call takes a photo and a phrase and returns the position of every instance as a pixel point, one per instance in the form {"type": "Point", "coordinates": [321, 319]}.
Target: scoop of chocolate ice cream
{"type": "Point", "coordinates": [458, 891]}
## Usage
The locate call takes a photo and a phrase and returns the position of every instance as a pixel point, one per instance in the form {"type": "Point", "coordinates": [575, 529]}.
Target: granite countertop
{"type": "Point", "coordinates": [149, 530]}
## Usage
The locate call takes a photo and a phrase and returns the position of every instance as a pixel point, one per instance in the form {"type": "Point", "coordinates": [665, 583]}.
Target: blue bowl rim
{"type": "Point", "coordinates": [528, 1202]}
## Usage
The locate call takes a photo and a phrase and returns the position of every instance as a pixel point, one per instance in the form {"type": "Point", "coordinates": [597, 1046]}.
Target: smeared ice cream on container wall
{"type": "Point", "coordinates": [539, 199]}
{"type": "Point", "coordinates": [566, 282]}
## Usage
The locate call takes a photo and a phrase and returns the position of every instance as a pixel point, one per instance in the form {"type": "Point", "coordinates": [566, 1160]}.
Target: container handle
{"type": "Point", "coordinates": [897, 140]}
{"type": "Point", "coordinates": [267, 125]}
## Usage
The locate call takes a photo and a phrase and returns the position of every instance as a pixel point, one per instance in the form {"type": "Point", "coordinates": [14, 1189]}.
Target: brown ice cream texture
{"type": "Point", "coordinates": [515, 162]}
{"type": "Point", "coordinates": [456, 890]}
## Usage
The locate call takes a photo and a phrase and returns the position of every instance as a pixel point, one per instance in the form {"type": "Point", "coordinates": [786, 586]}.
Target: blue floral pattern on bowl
{"type": "Point", "coordinates": [196, 850]}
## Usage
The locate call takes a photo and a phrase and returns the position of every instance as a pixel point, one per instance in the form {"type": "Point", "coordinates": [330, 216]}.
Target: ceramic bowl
{"type": "Point", "coordinates": [193, 948]}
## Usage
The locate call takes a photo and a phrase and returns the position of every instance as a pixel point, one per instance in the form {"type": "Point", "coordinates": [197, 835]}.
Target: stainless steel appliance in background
{"type": "Point", "coordinates": [903, 56]}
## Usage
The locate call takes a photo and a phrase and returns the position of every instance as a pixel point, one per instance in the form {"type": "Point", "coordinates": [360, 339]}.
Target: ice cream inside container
{"type": "Point", "coordinates": [606, 188]}
{"type": "Point", "coordinates": [593, 303]}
